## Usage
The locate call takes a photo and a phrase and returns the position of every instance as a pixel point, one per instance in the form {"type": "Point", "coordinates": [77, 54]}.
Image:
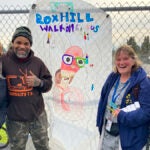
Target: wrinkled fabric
{"type": "Point", "coordinates": [3, 101]}
{"type": "Point", "coordinates": [25, 103]}
{"type": "Point", "coordinates": [21, 130]}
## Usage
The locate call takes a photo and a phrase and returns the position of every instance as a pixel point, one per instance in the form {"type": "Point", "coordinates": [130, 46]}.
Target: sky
{"type": "Point", "coordinates": [98, 3]}
{"type": "Point", "coordinates": [29, 2]}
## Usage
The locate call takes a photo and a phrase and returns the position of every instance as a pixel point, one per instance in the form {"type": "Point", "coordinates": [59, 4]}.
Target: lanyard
{"type": "Point", "coordinates": [115, 96]}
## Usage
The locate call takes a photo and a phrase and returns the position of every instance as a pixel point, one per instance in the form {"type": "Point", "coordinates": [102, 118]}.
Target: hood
{"type": "Point", "coordinates": [11, 54]}
{"type": "Point", "coordinates": [138, 76]}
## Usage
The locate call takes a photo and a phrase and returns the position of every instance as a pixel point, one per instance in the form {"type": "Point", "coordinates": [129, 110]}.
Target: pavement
{"type": "Point", "coordinates": [29, 145]}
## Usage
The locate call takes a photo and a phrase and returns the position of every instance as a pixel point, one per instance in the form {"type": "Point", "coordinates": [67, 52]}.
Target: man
{"type": "Point", "coordinates": [27, 78]}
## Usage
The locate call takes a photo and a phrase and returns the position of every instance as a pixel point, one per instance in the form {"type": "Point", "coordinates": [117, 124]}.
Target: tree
{"type": "Point", "coordinates": [145, 47]}
{"type": "Point", "coordinates": [133, 43]}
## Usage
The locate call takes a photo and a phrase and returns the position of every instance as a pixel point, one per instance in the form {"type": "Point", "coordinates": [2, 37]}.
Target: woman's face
{"type": "Point", "coordinates": [124, 63]}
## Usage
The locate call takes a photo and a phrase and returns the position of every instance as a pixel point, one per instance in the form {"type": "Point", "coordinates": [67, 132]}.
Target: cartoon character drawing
{"type": "Point", "coordinates": [68, 98]}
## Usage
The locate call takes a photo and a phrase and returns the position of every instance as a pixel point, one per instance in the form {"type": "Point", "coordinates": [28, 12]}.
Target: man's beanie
{"type": "Point", "coordinates": [23, 31]}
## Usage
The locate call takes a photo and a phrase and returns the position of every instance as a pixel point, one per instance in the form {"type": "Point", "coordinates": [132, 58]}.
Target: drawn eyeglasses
{"type": "Point", "coordinates": [68, 59]}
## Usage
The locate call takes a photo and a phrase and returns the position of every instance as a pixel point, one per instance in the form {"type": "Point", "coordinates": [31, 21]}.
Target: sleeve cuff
{"type": "Point", "coordinates": [42, 83]}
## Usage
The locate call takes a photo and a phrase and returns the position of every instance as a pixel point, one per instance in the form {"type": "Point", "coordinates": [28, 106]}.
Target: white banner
{"type": "Point", "coordinates": [74, 40]}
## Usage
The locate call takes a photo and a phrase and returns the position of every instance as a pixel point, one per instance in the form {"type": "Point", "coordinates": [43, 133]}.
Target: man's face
{"type": "Point", "coordinates": [21, 47]}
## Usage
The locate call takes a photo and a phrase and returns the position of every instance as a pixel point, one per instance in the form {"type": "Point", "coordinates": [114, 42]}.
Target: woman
{"type": "Point", "coordinates": [124, 107]}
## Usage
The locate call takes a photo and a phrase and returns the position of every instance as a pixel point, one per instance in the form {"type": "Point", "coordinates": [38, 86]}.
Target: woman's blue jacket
{"type": "Point", "coordinates": [133, 126]}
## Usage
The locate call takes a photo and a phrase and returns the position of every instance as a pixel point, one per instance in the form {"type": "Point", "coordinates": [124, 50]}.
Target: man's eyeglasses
{"type": "Point", "coordinates": [68, 59]}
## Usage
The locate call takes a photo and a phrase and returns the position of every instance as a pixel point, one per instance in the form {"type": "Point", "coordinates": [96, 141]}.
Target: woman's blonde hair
{"type": "Point", "coordinates": [131, 53]}
{"type": "Point", "coordinates": [1, 49]}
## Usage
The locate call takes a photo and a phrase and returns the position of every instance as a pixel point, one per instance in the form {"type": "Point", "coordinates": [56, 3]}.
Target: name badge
{"type": "Point", "coordinates": [108, 125]}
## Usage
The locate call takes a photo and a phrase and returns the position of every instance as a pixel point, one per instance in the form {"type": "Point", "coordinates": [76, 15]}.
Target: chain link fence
{"type": "Point", "coordinates": [130, 23]}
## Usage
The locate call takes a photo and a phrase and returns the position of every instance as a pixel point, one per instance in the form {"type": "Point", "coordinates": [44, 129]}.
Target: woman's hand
{"type": "Point", "coordinates": [116, 112]}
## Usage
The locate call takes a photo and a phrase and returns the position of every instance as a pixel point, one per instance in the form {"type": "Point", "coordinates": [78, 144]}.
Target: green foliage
{"type": "Point", "coordinates": [142, 51]}
{"type": "Point", "coordinates": [133, 43]}
{"type": "Point", "coordinates": [145, 47]}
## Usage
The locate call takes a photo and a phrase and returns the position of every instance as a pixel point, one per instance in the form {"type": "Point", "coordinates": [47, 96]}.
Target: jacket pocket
{"type": "Point", "coordinates": [131, 136]}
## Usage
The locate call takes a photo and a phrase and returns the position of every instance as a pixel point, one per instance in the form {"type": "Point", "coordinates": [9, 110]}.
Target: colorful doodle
{"type": "Point", "coordinates": [67, 97]}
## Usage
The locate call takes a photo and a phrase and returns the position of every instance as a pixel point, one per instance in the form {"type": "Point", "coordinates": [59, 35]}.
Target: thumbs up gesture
{"type": "Point", "coordinates": [32, 80]}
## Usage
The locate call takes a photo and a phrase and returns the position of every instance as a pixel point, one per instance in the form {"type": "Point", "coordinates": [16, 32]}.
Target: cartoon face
{"type": "Point", "coordinates": [58, 76]}
{"type": "Point", "coordinates": [73, 60]}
